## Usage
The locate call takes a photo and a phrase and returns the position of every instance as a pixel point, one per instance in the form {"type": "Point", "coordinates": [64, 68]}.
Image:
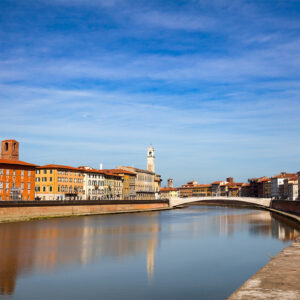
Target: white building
{"type": "Point", "coordinates": [93, 184]}
{"type": "Point", "coordinates": [277, 181]}
{"type": "Point", "coordinates": [293, 191]}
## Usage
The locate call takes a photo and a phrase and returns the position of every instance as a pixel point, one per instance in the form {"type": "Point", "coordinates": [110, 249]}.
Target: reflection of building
{"type": "Point", "coordinates": [49, 245]}
{"type": "Point", "coordinates": [16, 177]}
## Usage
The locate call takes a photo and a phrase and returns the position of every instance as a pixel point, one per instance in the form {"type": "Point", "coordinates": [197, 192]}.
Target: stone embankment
{"type": "Point", "coordinates": [279, 279]}
{"type": "Point", "coordinates": [27, 210]}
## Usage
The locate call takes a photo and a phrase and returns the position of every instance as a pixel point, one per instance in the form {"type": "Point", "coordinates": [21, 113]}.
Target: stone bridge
{"type": "Point", "coordinates": [265, 202]}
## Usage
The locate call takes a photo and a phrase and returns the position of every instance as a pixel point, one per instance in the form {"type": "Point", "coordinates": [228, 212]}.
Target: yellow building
{"type": "Point", "coordinates": [57, 182]}
{"type": "Point", "coordinates": [112, 185]}
{"type": "Point", "coordinates": [202, 190]}
{"type": "Point", "coordinates": [128, 183]}
{"type": "Point", "coordinates": [168, 193]}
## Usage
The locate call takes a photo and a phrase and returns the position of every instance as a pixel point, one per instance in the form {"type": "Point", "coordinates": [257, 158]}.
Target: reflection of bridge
{"type": "Point", "coordinates": [265, 202]}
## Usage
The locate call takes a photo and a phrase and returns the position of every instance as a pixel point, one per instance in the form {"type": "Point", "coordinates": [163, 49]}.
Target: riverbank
{"type": "Point", "coordinates": [30, 210]}
{"type": "Point", "coordinates": [279, 279]}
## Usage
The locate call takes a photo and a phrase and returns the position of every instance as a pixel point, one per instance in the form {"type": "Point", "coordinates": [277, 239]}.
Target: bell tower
{"type": "Point", "coordinates": [151, 160]}
{"type": "Point", "coordinates": [10, 150]}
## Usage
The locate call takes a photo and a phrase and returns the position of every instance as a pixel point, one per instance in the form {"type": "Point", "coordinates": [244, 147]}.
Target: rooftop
{"type": "Point", "coordinates": [16, 162]}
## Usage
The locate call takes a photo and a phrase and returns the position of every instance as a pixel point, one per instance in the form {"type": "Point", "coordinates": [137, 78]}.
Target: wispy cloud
{"type": "Point", "coordinates": [214, 85]}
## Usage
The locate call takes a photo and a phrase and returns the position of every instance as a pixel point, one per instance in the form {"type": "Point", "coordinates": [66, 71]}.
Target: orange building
{"type": "Point", "coordinates": [17, 177]}
{"type": "Point", "coordinates": [57, 182]}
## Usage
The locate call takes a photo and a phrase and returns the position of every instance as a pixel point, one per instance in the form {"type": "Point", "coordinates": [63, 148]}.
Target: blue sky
{"type": "Point", "coordinates": [213, 85]}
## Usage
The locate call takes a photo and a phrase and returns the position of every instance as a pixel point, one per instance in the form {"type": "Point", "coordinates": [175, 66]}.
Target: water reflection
{"type": "Point", "coordinates": [49, 245]}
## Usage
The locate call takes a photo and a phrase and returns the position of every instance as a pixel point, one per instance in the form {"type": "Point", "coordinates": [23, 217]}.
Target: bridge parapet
{"type": "Point", "coordinates": [257, 201]}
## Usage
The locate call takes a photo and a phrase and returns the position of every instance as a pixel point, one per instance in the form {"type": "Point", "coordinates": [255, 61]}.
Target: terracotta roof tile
{"type": "Point", "coordinates": [16, 162]}
{"type": "Point", "coordinates": [53, 166]}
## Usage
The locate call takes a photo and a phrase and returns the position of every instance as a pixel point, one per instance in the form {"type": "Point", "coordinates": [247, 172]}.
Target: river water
{"type": "Point", "coordinates": [199, 252]}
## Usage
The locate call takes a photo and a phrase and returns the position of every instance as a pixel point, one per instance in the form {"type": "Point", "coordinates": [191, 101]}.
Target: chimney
{"type": "Point", "coordinates": [100, 167]}
{"type": "Point", "coordinates": [170, 182]}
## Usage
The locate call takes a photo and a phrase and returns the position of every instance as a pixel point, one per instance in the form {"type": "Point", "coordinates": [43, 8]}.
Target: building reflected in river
{"type": "Point", "coordinates": [49, 245]}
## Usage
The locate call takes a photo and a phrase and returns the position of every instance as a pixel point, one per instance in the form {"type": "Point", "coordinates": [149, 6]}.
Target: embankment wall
{"type": "Point", "coordinates": [286, 206]}
{"type": "Point", "coordinates": [18, 211]}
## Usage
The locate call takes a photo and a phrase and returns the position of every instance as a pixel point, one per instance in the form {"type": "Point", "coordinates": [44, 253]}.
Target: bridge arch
{"type": "Point", "coordinates": [264, 202]}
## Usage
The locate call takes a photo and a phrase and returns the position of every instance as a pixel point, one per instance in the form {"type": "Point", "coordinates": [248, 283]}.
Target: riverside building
{"type": "Point", "coordinates": [58, 182]}
{"type": "Point", "coordinates": [16, 177]}
{"type": "Point", "coordinates": [93, 183]}
{"type": "Point", "coordinates": [128, 183]}
{"type": "Point", "coordinates": [145, 179]}
{"type": "Point", "coordinates": [277, 184]}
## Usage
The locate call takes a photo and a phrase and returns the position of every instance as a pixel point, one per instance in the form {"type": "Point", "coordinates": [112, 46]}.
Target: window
{"type": "Point", "coordinates": [58, 188]}
{"type": "Point", "coordinates": [14, 172]}
{"type": "Point", "coordinates": [6, 146]}
{"type": "Point", "coordinates": [44, 189]}
{"type": "Point", "coordinates": [51, 171]}
{"type": "Point", "coordinates": [50, 188]}
{"type": "Point", "coordinates": [7, 172]}
{"type": "Point", "coordinates": [22, 186]}
{"type": "Point", "coordinates": [29, 173]}
{"type": "Point", "coordinates": [1, 185]}
{"type": "Point", "coordinates": [45, 171]}
{"type": "Point", "coordinates": [29, 185]}
{"type": "Point", "coordinates": [50, 179]}
{"type": "Point", "coordinates": [70, 179]}
{"type": "Point", "coordinates": [66, 179]}
{"type": "Point", "coordinates": [7, 185]}
{"type": "Point", "coordinates": [1, 171]}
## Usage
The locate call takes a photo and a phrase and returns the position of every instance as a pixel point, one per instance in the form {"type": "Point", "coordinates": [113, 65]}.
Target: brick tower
{"type": "Point", "coordinates": [10, 150]}
{"type": "Point", "coordinates": [170, 183]}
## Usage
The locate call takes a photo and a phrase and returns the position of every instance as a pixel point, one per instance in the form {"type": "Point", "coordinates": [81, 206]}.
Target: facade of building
{"type": "Point", "coordinates": [157, 185]}
{"type": "Point", "coordinates": [260, 187]}
{"type": "Point", "coordinates": [58, 182]}
{"type": "Point", "coordinates": [128, 183]}
{"type": "Point", "coordinates": [290, 189]}
{"type": "Point", "coordinates": [16, 177]}
{"type": "Point", "coordinates": [144, 184]}
{"type": "Point", "coordinates": [93, 183]}
{"type": "Point", "coordinates": [277, 184]}
{"type": "Point", "coordinates": [146, 187]}
{"type": "Point", "coordinates": [186, 190]}
{"type": "Point", "coordinates": [201, 190]}
{"type": "Point", "coordinates": [245, 190]}
{"type": "Point", "coordinates": [168, 193]}
{"type": "Point", "coordinates": [216, 188]}
{"type": "Point", "coordinates": [113, 186]}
